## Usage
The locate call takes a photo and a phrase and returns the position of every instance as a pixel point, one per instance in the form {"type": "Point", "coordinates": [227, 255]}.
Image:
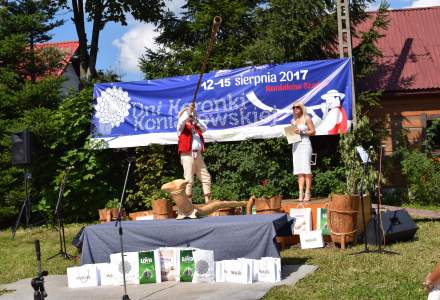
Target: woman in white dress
{"type": "Point", "coordinates": [302, 150]}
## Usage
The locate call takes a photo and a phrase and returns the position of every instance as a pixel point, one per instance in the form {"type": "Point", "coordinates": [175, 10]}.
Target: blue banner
{"type": "Point", "coordinates": [250, 102]}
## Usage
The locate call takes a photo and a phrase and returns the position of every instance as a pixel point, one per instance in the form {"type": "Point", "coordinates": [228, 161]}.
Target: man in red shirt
{"type": "Point", "coordinates": [191, 145]}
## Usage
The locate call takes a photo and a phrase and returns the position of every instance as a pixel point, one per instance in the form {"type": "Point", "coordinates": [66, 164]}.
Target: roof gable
{"type": "Point", "coordinates": [68, 49]}
{"type": "Point", "coordinates": [410, 48]}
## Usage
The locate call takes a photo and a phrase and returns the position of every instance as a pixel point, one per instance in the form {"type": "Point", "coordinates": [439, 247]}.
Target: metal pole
{"type": "Point", "coordinates": [345, 45]}
{"type": "Point", "coordinates": [119, 222]}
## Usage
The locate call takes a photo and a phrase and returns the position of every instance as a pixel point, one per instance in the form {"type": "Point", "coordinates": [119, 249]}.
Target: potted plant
{"type": "Point", "coordinates": [161, 204]}
{"type": "Point", "coordinates": [267, 199]}
{"type": "Point", "coordinates": [344, 211]}
{"type": "Point", "coordinates": [113, 206]}
{"type": "Point", "coordinates": [105, 215]}
{"type": "Point", "coordinates": [224, 193]}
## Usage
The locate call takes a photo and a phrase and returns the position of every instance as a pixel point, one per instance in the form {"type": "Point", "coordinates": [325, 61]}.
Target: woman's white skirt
{"type": "Point", "coordinates": [302, 155]}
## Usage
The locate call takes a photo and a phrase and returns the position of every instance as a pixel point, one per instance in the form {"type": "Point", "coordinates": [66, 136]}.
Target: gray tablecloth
{"type": "Point", "coordinates": [230, 236]}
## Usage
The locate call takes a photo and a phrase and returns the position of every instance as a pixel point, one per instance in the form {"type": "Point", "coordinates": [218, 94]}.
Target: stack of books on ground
{"type": "Point", "coordinates": [180, 264]}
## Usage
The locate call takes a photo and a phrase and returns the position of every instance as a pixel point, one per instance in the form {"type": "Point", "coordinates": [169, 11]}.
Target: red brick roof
{"type": "Point", "coordinates": [67, 48]}
{"type": "Point", "coordinates": [410, 48]}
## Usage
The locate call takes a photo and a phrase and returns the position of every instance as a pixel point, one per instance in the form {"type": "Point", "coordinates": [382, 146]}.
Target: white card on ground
{"type": "Point", "coordinates": [311, 239]}
{"type": "Point", "coordinates": [82, 276]}
{"type": "Point", "coordinates": [237, 271]}
{"type": "Point", "coordinates": [106, 274]}
{"type": "Point", "coordinates": [204, 266]}
{"type": "Point", "coordinates": [269, 269]}
{"type": "Point", "coordinates": [254, 266]}
{"type": "Point", "coordinates": [219, 273]}
{"type": "Point", "coordinates": [131, 262]}
{"type": "Point", "coordinates": [168, 263]}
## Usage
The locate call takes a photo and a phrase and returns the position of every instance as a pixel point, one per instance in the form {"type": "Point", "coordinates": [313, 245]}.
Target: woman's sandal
{"type": "Point", "coordinates": [301, 197]}
{"type": "Point", "coordinates": [306, 196]}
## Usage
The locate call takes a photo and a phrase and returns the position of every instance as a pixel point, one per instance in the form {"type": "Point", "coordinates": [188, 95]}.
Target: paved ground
{"type": "Point", "coordinates": [413, 212]}
{"type": "Point", "coordinates": [56, 287]}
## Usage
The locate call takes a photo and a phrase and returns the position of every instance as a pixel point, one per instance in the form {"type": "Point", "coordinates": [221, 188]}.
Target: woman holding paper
{"type": "Point", "coordinates": [302, 150]}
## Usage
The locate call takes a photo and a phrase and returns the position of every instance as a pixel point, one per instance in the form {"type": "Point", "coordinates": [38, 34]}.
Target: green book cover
{"type": "Point", "coordinates": [187, 266]}
{"type": "Point", "coordinates": [147, 267]}
{"type": "Point", "coordinates": [323, 222]}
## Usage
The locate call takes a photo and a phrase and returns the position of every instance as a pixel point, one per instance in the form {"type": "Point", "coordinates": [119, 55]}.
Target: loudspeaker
{"type": "Point", "coordinates": [21, 148]}
{"type": "Point", "coordinates": [397, 226]}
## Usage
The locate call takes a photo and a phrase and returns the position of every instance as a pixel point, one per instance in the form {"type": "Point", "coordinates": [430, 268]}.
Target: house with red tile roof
{"type": "Point", "coordinates": [408, 73]}
{"type": "Point", "coordinates": [69, 65]}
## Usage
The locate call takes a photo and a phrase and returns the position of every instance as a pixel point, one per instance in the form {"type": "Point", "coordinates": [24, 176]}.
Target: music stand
{"type": "Point", "coordinates": [59, 216]}
{"type": "Point", "coordinates": [366, 160]}
{"type": "Point", "coordinates": [130, 159]}
{"type": "Point", "coordinates": [26, 206]}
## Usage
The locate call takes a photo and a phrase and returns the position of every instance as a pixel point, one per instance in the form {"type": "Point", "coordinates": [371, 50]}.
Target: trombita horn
{"type": "Point", "coordinates": [215, 28]}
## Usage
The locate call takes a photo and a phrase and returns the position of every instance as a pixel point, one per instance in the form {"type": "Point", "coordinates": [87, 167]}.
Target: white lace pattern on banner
{"type": "Point", "coordinates": [112, 106]}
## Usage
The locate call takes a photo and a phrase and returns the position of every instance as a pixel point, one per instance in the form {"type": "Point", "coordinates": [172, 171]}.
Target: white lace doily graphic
{"type": "Point", "coordinates": [111, 109]}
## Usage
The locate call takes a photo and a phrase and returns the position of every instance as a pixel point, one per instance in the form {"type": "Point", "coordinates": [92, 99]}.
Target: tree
{"type": "Point", "coordinates": [252, 32]}
{"type": "Point", "coordinates": [24, 101]}
{"type": "Point", "coordinates": [258, 32]}
{"type": "Point", "coordinates": [183, 41]}
{"type": "Point", "coordinates": [31, 21]}
{"type": "Point", "coordinates": [100, 12]}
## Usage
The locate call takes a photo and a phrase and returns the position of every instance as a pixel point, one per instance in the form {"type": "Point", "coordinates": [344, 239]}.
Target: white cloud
{"type": "Point", "coordinates": [175, 6]}
{"type": "Point", "coordinates": [139, 36]}
{"type": "Point", "coordinates": [425, 3]}
{"type": "Point", "coordinates": [373, 6]}
{"type": "Point", "coordinates": [132, 45]}
{"type": "Point", "coordinates": [396, 4]}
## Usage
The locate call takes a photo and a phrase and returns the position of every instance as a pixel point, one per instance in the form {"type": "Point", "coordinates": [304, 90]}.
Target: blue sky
{"type": "Point", "coordinates": [121, 46]}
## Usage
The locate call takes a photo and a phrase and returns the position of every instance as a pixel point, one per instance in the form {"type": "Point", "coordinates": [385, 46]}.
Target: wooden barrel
{"type": "Point", "coordinates": [162, 209]}
{"type": "Point", "coordinates": [342, 211]}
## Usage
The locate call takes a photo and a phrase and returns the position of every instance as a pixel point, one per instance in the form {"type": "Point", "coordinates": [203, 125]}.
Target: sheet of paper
{"type": "Point", "coordinates": [290, 134]}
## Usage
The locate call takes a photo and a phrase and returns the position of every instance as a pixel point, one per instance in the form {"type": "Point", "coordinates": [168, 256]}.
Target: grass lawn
{"type": "Point", "coordinates": [18, 259]}
{"type": "Point", "coordinates": [366, 276]}
{"type": "Point", "coordinates": [340, 275]}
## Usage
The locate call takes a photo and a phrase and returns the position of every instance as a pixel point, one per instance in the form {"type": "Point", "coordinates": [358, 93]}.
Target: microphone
{"type": "Point", "coordinates": [37, 249]}
{"type": "Point", "coordinates": [38, 253]}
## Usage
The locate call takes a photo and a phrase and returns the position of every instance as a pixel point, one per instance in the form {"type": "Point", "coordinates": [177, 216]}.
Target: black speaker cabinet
{"type": "Point", "coordinates": [21, 148]}
{"type": "Point", "coordinates": [397, 226]}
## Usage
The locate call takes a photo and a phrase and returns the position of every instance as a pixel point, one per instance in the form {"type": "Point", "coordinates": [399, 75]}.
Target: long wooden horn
{"type": "Point", "coordinates": [215, 28]}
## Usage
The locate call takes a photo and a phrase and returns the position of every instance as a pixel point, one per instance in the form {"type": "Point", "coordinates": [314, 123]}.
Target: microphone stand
{"type": "Point", "coordinates": [379, 225]}
{"type": "Point", "coordinates": [119, 222]}
{"type": "Point", "coordinates": [58, 215]}
{"type": "Point", "coordinates": [37, 283]}
{"type": "Point", "coordinates": [26, 206]}
{"type": "Point", "coordinates": [361, 195]}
